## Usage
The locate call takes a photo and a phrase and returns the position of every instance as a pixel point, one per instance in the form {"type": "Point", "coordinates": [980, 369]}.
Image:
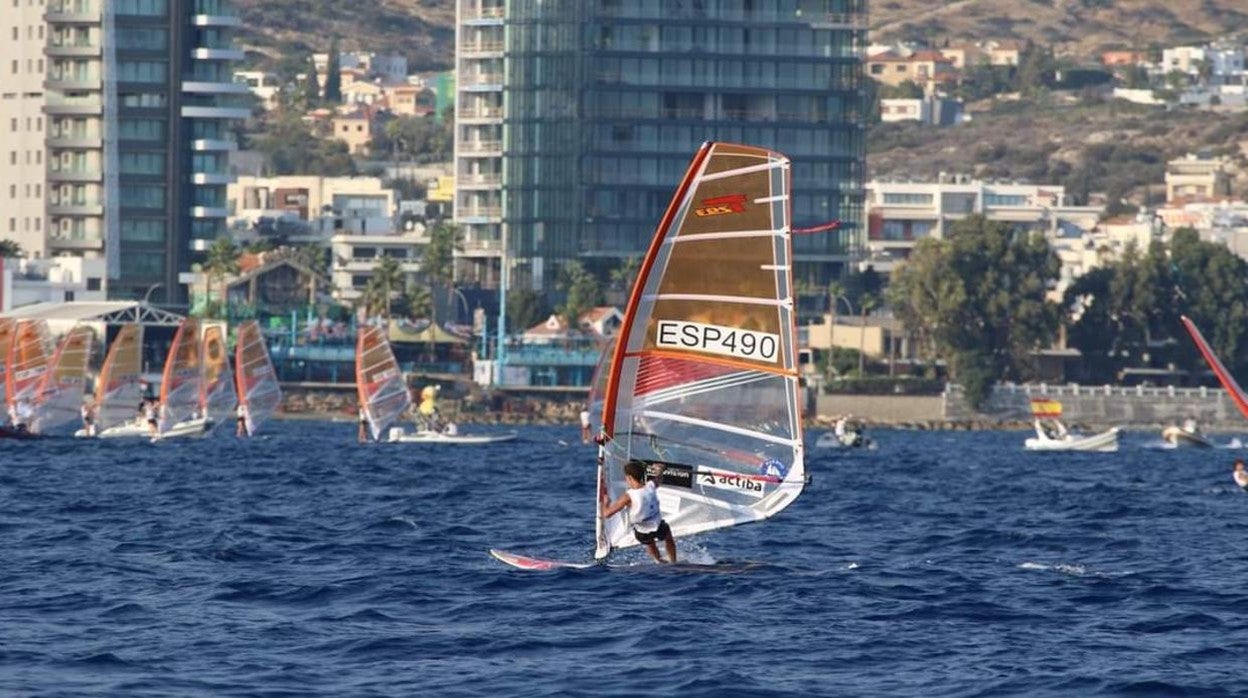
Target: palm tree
{"type": "Point", "coordinates": [419, 302]}
{"type": "Point", "coordinates": [624, 276]}
{"type": "Point", "coordinates": [388, 279]}
{"type": "Point", "coordinates": [866, 303]}
{"type": "Point", "coordinates": [222, 260]}
{"type": "Point", "coordinates": [8, 248]}
{"type": "Point", "coordinates": [438, 260]}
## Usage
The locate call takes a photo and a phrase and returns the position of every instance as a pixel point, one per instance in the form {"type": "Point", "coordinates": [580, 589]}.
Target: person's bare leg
{"type": "Point", "coordinates": [670, 544]}
{"type": "Point", "coordinates": [654, 552]}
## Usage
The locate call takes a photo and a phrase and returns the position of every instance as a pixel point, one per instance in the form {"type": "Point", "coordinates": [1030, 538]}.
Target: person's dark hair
{"type": "Point", "coordinates": [636, 470]}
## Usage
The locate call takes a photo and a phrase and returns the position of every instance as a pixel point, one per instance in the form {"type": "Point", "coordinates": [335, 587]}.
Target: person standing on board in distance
{"type": "Point", "coordinates": [240, 415]}
{"type": "Point", "coordinates": [88, 418]}
{"type": "Point", "coordinates": [585, 426]}
{"type": "Point", "coordinates": [1240, 475]}
{"type": "Point", "coordinates": [363, 435]}
{"type": "Point", "coordinates": [642, 501]}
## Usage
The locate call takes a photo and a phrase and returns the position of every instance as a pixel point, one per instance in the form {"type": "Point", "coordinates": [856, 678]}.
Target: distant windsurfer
{"type": "Point", "coordinates": [1240, 474]}
{"type": "Point", "coordinates": [584, 426]}
{"type": "Point", "coordinates": [240, 416]}
{"type": "Point", "coordinates": [363, 434]}
{"type": "Point", "coordinates": [642, 501]}
{"type": "Point", "coordinates": [149, 416]}
{"type": "Point", "coordinates": [88, 419]}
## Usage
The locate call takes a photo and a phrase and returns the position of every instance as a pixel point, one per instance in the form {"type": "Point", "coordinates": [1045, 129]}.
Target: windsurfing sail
{"type": "Point", "coordinates": [59, 400]}
{"type": "Point", "coordinates": [258, 389]}
{"type": "Point", "coordinates": [8, 328]}
{"type": "Point", "coordinates": [182, 377]}
{"type": "Point", "coordinates": [1224, 376]}
{"type": "Point", "coordinates": [598, 386]}
{"type": "Point", "coordinates": [704, 376]}
{"type": "Point", "coordinates": [382, 389]}
{"type": "Point", "coordinates": [28, 358]}
{"type": "Point", "coordinates": [118, 388]}
{"type": "Point", "coordinates": [217, 398]}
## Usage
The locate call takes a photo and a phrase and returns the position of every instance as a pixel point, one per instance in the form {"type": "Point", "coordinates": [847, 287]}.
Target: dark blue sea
{"type": "Point", "coordinates": [302, 564]}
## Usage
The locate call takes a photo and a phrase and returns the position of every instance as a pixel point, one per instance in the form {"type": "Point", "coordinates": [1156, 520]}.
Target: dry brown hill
{"type": "Point", "coordinates": [1074, 27]}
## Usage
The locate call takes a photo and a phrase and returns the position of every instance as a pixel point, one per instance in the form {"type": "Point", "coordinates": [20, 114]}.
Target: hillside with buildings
{"type": "Point", "coordinates": [421, 30]}
{"type": "Point", "coordinates": [1072, 27]}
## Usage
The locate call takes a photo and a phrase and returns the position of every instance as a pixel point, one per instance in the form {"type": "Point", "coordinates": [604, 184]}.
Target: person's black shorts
{"type": "Point", "coordinates": [151, 422]}
{"type": "Point", "coordinates": [663, 532]}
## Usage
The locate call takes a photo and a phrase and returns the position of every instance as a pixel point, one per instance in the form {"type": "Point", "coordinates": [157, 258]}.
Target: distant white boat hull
{"type": "Point", "coordinates": [1183, 438]}
{"type": "Point", "coordinates": [831, 440]}
{"type": "Point", "coordinates": [1104, 441]}
{"type": "Point", "coordinates": [140, 430]}
{"type": "Point", "coordinates": [400, 435]}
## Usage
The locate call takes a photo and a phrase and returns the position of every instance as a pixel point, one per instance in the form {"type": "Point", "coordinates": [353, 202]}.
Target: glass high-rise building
{"type": "Point", "coordinates": [139, 98]}
{"type": "Point", "coordinates": [577, 118]}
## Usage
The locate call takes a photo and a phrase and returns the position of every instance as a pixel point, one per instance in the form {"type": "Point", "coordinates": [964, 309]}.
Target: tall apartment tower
{"type": "Point", "coordinates": [139, 100]}
{"type": "Point", "coordinates": [577, 118]}
{"type": "Point", "coordinates": [22, 68]}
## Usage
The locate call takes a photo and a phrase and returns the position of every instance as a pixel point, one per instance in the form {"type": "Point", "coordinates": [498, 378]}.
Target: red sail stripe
{"type": "Point", "coordinates": [657, 373]}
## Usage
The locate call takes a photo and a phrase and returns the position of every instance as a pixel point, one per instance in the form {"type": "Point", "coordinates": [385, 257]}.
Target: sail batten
{"type": "Point", "coordinates": [118, 389]}
{"type": "Point", "coordinates": [255, 378]}
{"type": "Point", "coordinates": [383, 392]}
{"type": "Point", "coordinates": [703, 381]}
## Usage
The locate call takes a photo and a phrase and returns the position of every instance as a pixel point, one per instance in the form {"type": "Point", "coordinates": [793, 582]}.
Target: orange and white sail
{"type": "Point", "coordinates": [59, 402]}
{"type": "Point", "coordinates": [180, 384]}
{"type": "Point", "coordinates": [217, 397]}
{"type": "Point", "coordinates": [118, 388]}
{"type": "Point", "coordinates": [8, 328]}
{"type": "Point", "coordinates": [27, 363]}
{"type": "Point", "coordinates": [703, 381]}
{"type": "Point", "coordinates": [382, 389]}
{"type": "Point", "coordinates": [255, 378]}
{"type": "Point", "coordinates": [1219, 369]}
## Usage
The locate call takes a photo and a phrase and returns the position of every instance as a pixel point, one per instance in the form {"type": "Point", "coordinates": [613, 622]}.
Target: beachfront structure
{"type": "Point", "coordinates": [900, 213]}
{"type": "Point", "coordinates": [139, 98]}
{"type": "Point", "coordinates": [571, 146]}
{"type": "Point", "coordinates": [22, 123]}
{"type": "Point", "coordinates": [310, 208]}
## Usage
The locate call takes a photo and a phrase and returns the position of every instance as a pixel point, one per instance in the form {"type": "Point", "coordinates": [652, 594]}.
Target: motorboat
{"type": "Point", "coordinates": [1052, 435]}
{"type": "Point", "coordinates": [1187, 435]}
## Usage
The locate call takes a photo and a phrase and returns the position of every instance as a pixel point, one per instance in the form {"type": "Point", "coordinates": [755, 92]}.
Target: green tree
{"type": "Point", "coordinates": [1209, 287]}
{"type": "Point", "coordinates": [291, 148]}
{"type": "Point", "coordinates": [311, 86]}
{"type": "Point", "coordinates": [624, 276]}
{"type": "Point", "coordinates": [387, 283]}
{"type": "Point", "coordinates": [524, 309]}
{"type": "Point", "coordinates": [438, 260]}
{"type": "Point", "coordinates": [333, 75]}
{"type": "Point", "coordinates": [414, 138]}
{"type": "Point", "coordinates": [1036, 69]}
{"type": "Point", "coordinates": [9, 248]}
{"type": "Point", "coordinates": [582, 292]}
{"type": "Point", "coordinates": [977, 300]}
{"type": "Point", "coordinates": [221, 261]}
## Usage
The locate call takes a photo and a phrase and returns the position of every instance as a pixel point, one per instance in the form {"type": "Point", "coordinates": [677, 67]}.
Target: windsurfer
{"type": "Point", "coordinates": [363, 433]}
{"type": "Point", "coordinates": [149, 416]}
{"type": "Point", "coordinates": [642, 501]}
{"type": "Point", "coordinates": [240, 415]}
{"type": "Point", "coordinates": [1240, 474]}
{"type": "Point", "coordinates": [88, 419]}
{"type": "Point", "coordinates": [584, 426]}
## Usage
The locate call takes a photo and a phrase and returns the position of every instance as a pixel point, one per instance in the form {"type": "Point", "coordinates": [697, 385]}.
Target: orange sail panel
{"type": "Point", "coordinates": [217, 397]}
{"type": "Point", "coordinates": [182, 377]}
{"type": "Point", "coordinates": [8, 327]}
{"type": "Point", "coordinates": [118, 389]}
{"type": "Point", "coordinates": [58, 407]}
{"type": "Point", "coordinates": [258, 389]}
{"type": "Point", "coordinates": [382, 390]}
{"type": "Point", "coordinates": [27, 364]}
{"type": "Point", "coordinates": [704, 381]}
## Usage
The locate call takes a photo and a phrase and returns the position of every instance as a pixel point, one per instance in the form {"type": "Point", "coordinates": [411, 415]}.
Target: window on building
{"type": "Point", "coordinates": [93, 283]}
{"type": "Point", "coordinates": [1005, 200]}
{"type": "Point", "coordinates": [907, 198]}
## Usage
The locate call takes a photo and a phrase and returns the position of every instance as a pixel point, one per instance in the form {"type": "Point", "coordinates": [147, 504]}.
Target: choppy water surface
{"type": "Point", "coordinates": [302, 564]}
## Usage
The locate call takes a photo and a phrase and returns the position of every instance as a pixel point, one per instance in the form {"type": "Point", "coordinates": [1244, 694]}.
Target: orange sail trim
{"type": "Point", "coordinates": [183, 373]}
{"type": "Point", "coordinates": [27, 363]}
{"type": "Point", "coordinates": [60, 393]}
{"type": "Point", "coordinates": [118, 388]}
{"type": "Point", "coordinates": [1224, 376]}
{"type": "Point", "coordinates": [217, 397]}
{"type": "Point", "coordinates": [8, 328]}
{"type": "Point", "coordinates": [255, 378]}
{"type": "Point", "coordinates": [382, 389]}
{"type": "Point", "coordinates": [626, 327]}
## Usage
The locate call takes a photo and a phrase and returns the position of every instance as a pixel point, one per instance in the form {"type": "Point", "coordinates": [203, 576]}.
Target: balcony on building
{"type": "Point", "coordinates": [215, 88]}
{"type": "Point", "coordinates": [73, 83]}
{"type": "Point", "coordinates": [212, 144]}
{"type": "Point", "coordinates": [205, 112]}
{"type": "Point", "coordinates": [58, 242]}
{"type": "Point", "coordinates": [483, 17]}
{"type": "Point", "coordinates": [211, 53]}
{"type": "Point", "coordinates": [73, 12]}
{"type": "Point", "coordinates": [72, 49]}
{"type": "Point", "coordinates": [73, 105]}
{"type": "Point", "coordinates": [74, 174]}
